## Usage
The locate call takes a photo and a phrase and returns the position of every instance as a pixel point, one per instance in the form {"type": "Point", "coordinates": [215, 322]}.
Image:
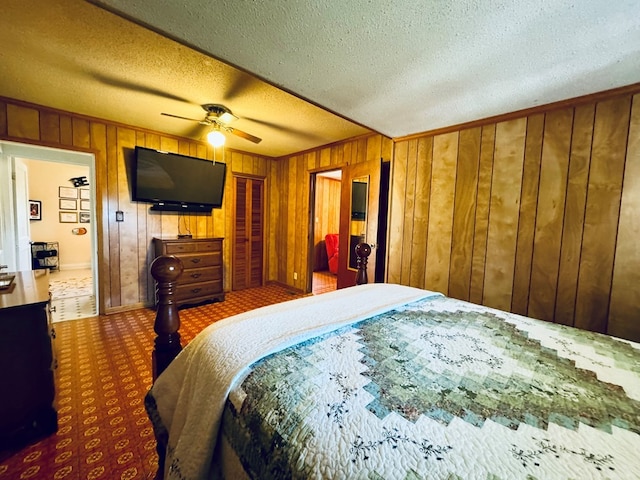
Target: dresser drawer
{"type": "Point", "coordinates": [199, 260]}
{"type": "Point", "coordinates": [174, 248]}
{"type": "Point", "coordinates": [194, 290]}
{"type": "Point", "coordinates": [209, 246]}
{"type": "Point", "coordinates": [206, 274]}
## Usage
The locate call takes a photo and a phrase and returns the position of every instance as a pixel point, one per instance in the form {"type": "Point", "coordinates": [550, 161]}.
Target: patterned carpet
{"type": "Point", "coordinates": [104, 371]}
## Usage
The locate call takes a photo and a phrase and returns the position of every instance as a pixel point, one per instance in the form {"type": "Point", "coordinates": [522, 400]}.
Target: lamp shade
{"type": "Point", "coordinates": [216, 138]}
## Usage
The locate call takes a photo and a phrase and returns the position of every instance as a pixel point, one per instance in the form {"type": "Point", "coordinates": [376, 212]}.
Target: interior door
{"type": "Point", "coordinates": [21, 205]}
{"type": "Point", "coordinates": [248, 237]}
{"type": "Point", "coordinates": [359, 204]}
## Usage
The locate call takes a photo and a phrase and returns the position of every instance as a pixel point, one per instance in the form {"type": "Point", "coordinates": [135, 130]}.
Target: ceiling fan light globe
{"type": "Point", "coordinates": [216, 138]}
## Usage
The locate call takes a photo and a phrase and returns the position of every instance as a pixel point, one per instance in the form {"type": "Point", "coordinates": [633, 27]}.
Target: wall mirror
{"type": "Point", "coordinates": [358, 220]}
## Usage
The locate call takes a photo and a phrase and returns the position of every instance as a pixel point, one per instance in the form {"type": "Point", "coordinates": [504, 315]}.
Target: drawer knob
{"type": "Point", "coordinates": [195, 260]}
{"type": "Point", "coordinates": [196, 275]}
{"type": "Point", "coordinates": [195, 290]}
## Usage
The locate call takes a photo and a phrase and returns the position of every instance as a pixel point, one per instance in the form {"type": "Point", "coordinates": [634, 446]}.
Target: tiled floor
{"type": "Point", "coordinates": [72, 295]}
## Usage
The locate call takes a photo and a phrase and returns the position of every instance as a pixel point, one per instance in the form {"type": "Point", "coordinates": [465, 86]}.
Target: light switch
{"type": "Point", "coordinates": [119, 216]}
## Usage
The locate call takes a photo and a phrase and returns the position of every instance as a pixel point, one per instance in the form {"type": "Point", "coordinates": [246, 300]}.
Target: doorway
{"type": "Point", "coordinates": [326, 190]}
{"type": "Point", "coordinates": [65, 223]}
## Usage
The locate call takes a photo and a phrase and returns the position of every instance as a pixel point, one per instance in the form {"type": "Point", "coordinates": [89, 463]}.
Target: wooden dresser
{"type": "Point", "coordinates": [201, 279]}
{"type": "Point", "coordinates": [26, 361]}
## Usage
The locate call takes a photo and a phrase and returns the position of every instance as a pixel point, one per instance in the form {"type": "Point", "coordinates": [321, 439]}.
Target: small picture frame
{"type": "Point", "coordinates": [67, 192]}
{"type": "Point", "coordinates": [85, 204]}
{"type": "Point", "coordinates": [68, 204]}
{"type": "Point", "coordinates": [85, 193]}
{"type": "Point", "coordinates": [85, 217]}
{"type": "Point", "coordinates": [68, 217]}
{"type": "Point", "coordinates": [35, 210]}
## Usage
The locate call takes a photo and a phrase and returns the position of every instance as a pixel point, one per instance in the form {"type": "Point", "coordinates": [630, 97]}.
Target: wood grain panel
{"type": "Point", "coordinates": [49, 127]}
{"type": "Point", "coordinates": [113, 298]}
{"type": "Point", "coordinates": [66, 130]}
{"type": "Point", "coordinates": [23, 122]}
{"type": "Point", "coordinates": [143, 242]}
{"type": "Point", "coordinates": [327, 217]}
{"type": "Point", "coordinates": [99, 147]}
{"type": "Point", "coordinates": [302, 223]}
{"type": "Point", "coordinates": [80, 132]}
{"type": "Point", "coordinates": [3, 118]}
{"type": "Point", "coordinates": [624, 320]}
{"type": "Point", "coordinates": [554, 168]}
{"type": "Point", "coordinates": [464, 213]}
{"type": "Point", "coordinates": [325, 157]}
{"type": "Point", "coordinates": [128, 231]}
{"type": "Point", "coordinates": [573, 227]}
{"type": "Point", "coordinates": [396, 212]}
{"type": "Point", "coordinates": [443, 178]}
{"type": "Point", "coordinates": [528, 210]}
{"type": "Point", "coordinates": [503, 213]}
{"type": "Point", "coordinates": [409, 210]}
{"type": "Point", "coordinates": [601, 218]}
{"type": "Point", "coordinates": [424, 159]}
{"type": "Point", "coordinates": [483, 201]}
{"type": "Point", "coordinates": [291, 175]}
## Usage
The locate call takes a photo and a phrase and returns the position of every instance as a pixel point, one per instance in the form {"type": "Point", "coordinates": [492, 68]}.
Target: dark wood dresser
{"type": "Point", "coordinates": [26, 361]}
{"type": "Point", "coordinates": [201, 279]}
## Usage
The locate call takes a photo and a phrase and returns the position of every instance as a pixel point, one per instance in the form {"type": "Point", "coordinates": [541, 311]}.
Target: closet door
{"type": "Point", "coordinates": [248, 241]}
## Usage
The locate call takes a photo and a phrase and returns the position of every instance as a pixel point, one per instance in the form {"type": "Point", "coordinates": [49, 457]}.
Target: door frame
{"type": "Point", "coordinates": [312, 215]}
{"type": "Point", "coordinates": [71, 157]}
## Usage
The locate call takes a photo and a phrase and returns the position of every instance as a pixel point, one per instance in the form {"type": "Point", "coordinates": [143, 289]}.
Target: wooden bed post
{"type": "Point", "coordinates": [165, 270]}
{"type": "Point", "coordinates": [363, 250]}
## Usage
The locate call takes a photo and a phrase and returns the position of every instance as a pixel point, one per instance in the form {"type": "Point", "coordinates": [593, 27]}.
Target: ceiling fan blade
{"type": "Point", "coordinates": [286, 129]}
{"type": "Point", "coordinates": [241, 134]}
{"type": "Point", "coordinates": [198, 132]}
{"type": "Point", "coordinates": [136, 87]}
{"type": "Point", "coordinates": [183, 118]}
{"type": "Point", "coordinates": [241, 83]}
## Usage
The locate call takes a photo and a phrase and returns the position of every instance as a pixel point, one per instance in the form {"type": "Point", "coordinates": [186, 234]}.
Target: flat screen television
{"type": "Point", "coordinates": [174, 182]}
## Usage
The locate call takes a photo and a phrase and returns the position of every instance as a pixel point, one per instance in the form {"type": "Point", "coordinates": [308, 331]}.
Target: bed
{"type": "Point", "coordinates": [387, 381]}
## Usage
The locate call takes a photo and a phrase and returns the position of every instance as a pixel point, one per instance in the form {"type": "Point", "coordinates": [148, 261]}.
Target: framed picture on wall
{"type": "Point", "coordinates": [35, 210]}
{"type": "Point", "coordinates": [68, 204]}
{"type": "Point", "coordinates": [84, 193]}
{"type": "Point", "coordinates": [68, 217]}
{"type": "Point", "coordinates": [85, 217]}
{"type": "Point", "coordinates": [85, 204]}
{"type": "Point", "coordinates": [67, 192]}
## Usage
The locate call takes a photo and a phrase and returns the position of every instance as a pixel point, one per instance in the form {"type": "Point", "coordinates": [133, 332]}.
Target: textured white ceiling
{"type": "Point", "coordinates": [397, 67]}
{"type": "Point", "coordinates": [407, 66]}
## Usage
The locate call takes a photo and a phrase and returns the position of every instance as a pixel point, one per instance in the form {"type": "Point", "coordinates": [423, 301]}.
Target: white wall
{"type": "Point", "coordinates": [44, 180]}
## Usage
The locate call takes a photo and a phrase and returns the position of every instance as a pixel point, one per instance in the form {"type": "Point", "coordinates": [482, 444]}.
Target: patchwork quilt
{"type": "Point", "coordinates": [437, 389]}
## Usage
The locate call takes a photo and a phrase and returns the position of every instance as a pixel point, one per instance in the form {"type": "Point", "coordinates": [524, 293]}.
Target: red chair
{"type": "Point", "coordinates": [331, 241]}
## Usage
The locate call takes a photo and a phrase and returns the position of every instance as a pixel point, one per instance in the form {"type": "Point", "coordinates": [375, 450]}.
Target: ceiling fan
{"type": "Point", "coordinates": [218, 116]}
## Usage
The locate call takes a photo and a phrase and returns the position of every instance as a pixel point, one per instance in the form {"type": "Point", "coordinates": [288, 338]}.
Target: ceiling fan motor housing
{"type": "Point", "coordinates": [219, 112]}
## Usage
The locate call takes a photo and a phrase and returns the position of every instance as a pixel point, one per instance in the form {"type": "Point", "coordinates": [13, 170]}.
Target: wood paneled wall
{"type": "Point", "coordinates": [124, 248]}
{"type": "Point", "coordinates": [326, 217]}
{"type": "Point", "coordinates": [289, 202]}
{"type": "Point", "coordinates": [537, 214]}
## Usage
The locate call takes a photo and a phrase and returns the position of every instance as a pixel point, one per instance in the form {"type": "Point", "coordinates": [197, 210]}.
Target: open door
{"type": "Point", "coordinates": [359, 204]}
